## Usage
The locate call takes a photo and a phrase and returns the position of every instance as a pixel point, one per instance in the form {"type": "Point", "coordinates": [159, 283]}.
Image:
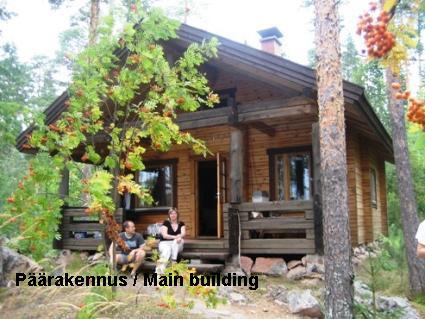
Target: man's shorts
{"type": "Point", "coordinates": [124, 259]}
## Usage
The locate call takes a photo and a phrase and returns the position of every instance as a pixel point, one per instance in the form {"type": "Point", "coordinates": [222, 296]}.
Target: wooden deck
{"type": "Point", "coordinates": [284, 227]}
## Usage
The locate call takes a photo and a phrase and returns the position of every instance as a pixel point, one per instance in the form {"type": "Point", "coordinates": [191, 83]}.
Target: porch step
{"type": "Point", "coordinates": [205, 255]}
{"type": "Point", "coordinates": [200, 268]}
{"type": "Point", "coordinates": [201, 254]}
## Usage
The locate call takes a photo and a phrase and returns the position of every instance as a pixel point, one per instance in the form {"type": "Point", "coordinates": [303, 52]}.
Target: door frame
{"type": "Point", "coordinates": [197, 160]}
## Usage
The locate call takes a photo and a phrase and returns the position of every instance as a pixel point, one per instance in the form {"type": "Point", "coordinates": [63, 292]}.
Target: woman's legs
{"type": "Point", "coordinates": [176, 248]}
{"type": "Point", "coordinates": [168, 249]}
{"type": "Point", "coordinates": [164, 248]}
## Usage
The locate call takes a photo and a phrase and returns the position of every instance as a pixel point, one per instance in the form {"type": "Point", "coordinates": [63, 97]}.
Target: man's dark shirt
{"type": "Point", "coordinates": [133, 242]}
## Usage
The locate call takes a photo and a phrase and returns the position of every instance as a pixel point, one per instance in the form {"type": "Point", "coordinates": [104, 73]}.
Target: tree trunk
{"type": "Point", "coordinates": [2, 275]}
{"type": "Point", "coordinates": [336, 232]}
{"type": "Point", "coordinates": [406, 192]}
{"type": "Point", "coordinates": [94, 20]}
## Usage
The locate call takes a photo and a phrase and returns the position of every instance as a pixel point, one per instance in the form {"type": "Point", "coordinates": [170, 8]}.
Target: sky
{"type": "Point", "coordinates": [36, 28]}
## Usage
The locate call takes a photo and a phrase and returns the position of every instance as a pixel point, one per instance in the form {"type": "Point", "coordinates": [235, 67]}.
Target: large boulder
{"type": "Point", "coordinates": [303, 303]}
{"type": "Point", "coordinates": [269, 266]}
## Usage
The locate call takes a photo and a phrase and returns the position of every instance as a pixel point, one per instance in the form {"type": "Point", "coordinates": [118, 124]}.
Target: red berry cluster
{"type": "Point", "coordinates": [416, 112]}
{"type": "Point", "coordinates": [379, 41]}
{"type": "Point", "coordinates": [416, 109]}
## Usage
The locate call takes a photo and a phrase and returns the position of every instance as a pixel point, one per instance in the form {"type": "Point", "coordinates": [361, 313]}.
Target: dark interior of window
{"type": "Point", "coordinates": [290, 174]}
{"type": "Point", "coordinates": [159, 179]}
{"type": "Point", "coordinates": [373, 192]}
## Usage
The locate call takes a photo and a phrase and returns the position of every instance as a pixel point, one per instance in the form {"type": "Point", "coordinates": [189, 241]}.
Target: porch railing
{"type": "Point", "coordinates": [81, 231]}
{"type": "Point", "coordinates": [279, 227]}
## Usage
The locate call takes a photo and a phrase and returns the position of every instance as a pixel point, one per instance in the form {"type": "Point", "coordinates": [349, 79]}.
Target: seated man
{"type": "Point", "coordinates": [136, 243]}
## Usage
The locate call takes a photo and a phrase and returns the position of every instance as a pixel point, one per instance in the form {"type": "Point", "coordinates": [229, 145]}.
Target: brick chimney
{"type": "Point", "coordinates": [270, 40]}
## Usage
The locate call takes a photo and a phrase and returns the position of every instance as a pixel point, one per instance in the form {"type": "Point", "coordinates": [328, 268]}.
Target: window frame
{"type": "Point", "coordinates": [153, 164]}
{"type": "Point", "coordinates": [272, 153]}
{"type": "Point", "coordinates": [373, 187]}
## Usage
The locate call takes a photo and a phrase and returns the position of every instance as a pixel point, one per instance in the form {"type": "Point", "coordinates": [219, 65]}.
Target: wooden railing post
{"type": "Point", "coordinates": [236, 192]}
{"type": "Point", "coordinates": [317, 188]}
{"type": "Point", "coordinates": [63, 194]}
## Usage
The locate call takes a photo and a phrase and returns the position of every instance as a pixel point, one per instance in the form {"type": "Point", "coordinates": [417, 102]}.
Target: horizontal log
{"type": "Point", "coordinates": [299, 110]}
{"type": "Point", "coordinates": [283, 206]}
{"type": "Point", "coordinates": [86, 242]}
{"type": "Point", "coordinates": [82, 248]}
{"type": "Point", "coordinates": [277, 223]}
{"type": "Point", "coordinates": [279, 243]}
{"type": "Point", "coordinates": [83, 227]}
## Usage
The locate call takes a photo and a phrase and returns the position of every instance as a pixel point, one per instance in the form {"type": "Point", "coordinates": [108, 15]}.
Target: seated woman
{"type": "Point", "coordinates": [171, 242]}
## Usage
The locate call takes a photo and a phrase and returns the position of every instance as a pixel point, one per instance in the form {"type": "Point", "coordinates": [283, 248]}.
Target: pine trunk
{"type": "Point", "coordinates": [336, 232]}
{"type": "Point", "coordinates": [94, 20]}
{"type": "Point", "coordinates": [2, 276]}
{"type": "Point", "coordinates": [406, 191]}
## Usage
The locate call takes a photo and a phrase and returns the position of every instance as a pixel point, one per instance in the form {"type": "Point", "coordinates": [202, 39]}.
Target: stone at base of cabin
{"type": "Point", "coordinates": [294, 263]}
{"type": "Point", "coordinates": [296, 273]}
{"type": "Point", "coordinates": [304, 261]}
{"type": "Point", "coordinates": [314, 259]}
{"type": "Point", "coordinates": [311, 268]}
{"type": "Point", "coordinates": [269, 266]}
{"type": "Point", "coordinates": [246, 264]}
{"type": "Point", "coordinates": [13, 262]}
{"type": "Point", "coordinates": [303, 303]}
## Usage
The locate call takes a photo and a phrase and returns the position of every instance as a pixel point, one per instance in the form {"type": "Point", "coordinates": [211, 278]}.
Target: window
{"type": "Point", "coordinates": [290, 174]}
{"type": "Point", "coordinates": [373, 192]}
{"type": "Point", "coordinates": [160, 179]}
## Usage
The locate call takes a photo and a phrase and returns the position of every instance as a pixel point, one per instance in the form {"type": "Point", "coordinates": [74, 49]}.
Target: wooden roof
{"type": "Point", "coordinates": [262, 65]}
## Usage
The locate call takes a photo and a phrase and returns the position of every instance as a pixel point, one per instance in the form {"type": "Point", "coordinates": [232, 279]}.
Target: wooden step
{"type": "Point", "coordinates": [202, 255]}
{"type": "Point", "coordinates": [200, 268]}
{"type": "Point", "coordinates": [205, 255]}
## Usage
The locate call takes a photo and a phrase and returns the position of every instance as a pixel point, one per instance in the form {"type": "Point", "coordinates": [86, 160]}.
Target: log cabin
{"type": "Point", "coordinates": [260, 192]}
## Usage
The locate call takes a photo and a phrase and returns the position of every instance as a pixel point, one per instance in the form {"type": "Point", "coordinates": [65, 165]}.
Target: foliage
{"type": "Point", "coordinates": [388, 258]}
{"type": "Point", "coordinates": [32, 212]}
{"type": "Point", "coordinates": [14, 92]}
{"type": "Point", "coordinates": [369, 75]}
{"type": "Point", "coordinates": [206, 293]}
{"type": "Point", "coordinates": [99, 298]}
{"type": "Point", "coordinates": [121, 79]}
{"type": "Point", "coordinates": [416, 142]}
